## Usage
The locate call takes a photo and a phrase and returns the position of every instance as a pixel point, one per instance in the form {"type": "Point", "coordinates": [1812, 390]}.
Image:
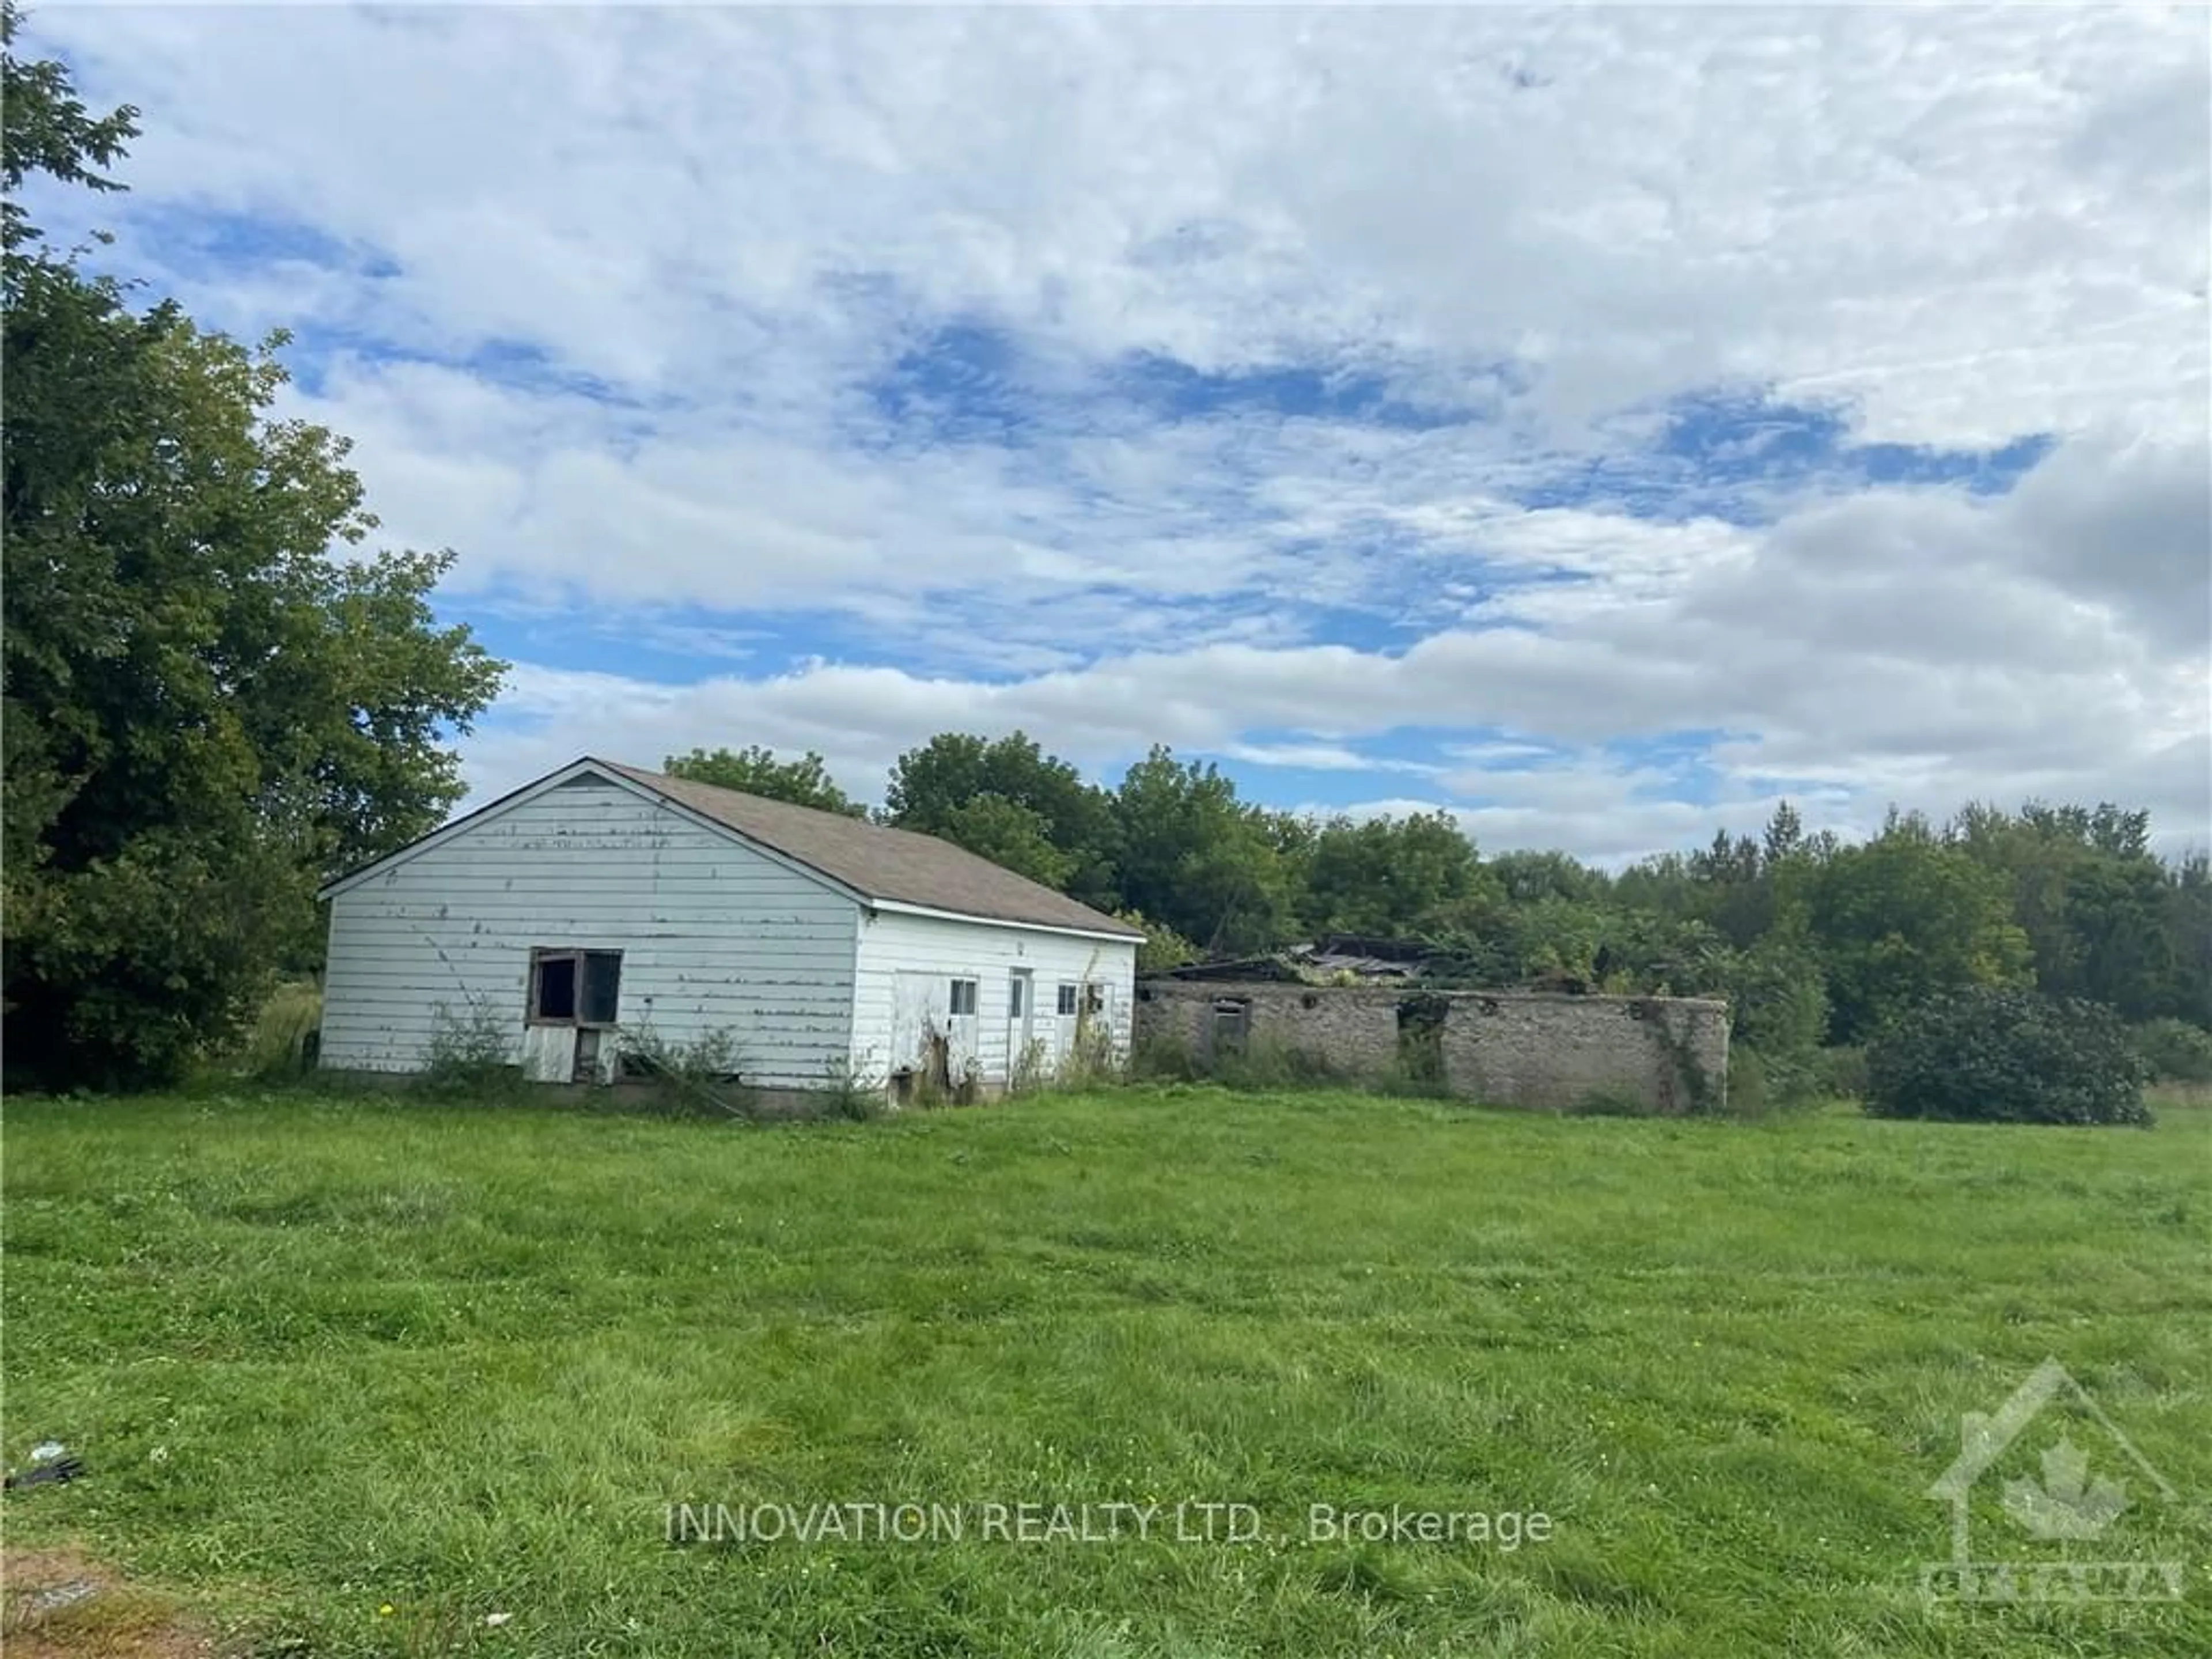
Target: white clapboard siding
{"type": "Point", "coordinates": [715, 936]}
{"type": "Point", "coordinates": [906, 967]}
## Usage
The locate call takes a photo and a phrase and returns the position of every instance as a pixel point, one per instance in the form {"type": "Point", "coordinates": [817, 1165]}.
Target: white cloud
{"type": "Point", "coordinates": [601, 293]}
{"type": "Point", "coordinates": [1977, 222]}
{"type": "Point", "coordinates": [1899, 646]}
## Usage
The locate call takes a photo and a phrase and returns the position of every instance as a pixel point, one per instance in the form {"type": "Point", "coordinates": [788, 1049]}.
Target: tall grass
{"type": "Point", "coordinates": [277, 1046]}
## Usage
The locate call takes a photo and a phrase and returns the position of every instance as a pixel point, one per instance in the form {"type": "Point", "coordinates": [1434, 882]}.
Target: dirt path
{"type": "Point", "coordinates": [60, 1604]}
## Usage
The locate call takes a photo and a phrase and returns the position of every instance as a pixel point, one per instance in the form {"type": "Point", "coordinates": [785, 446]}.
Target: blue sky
{"type": "Point", "coordinates": [1598, 424]}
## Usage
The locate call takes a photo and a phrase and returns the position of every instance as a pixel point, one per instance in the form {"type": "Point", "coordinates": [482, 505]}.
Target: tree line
{"type": "Point", "coordinates": [1814, 941]}
{"type": "Point", "coordinates": [214, 700]}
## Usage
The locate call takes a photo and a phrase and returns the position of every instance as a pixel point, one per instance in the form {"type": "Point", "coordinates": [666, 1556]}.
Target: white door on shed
{"type": "Point", "coordinates": [917, 1008]}
{"type": "Point", "coordinates": [933, 1024]}
{"type": "Point", "coordinates": [1060, 1029]}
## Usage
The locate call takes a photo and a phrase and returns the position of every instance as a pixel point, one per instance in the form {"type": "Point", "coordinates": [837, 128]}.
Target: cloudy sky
{"type": "Point", "coordinates": [1602, 423]}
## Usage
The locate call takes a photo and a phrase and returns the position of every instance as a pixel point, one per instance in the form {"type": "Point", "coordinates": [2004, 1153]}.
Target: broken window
{"type": "Point", "coordinates": [553, 1001]}
{"type": "Point", "coordinates": [964, 996]}
{"type": "Point", "coordinates": [1094, 998]}
{"type": "Point", "coordinates": [575, 988]}
{"type": "Point", "coordinates": [1066, 1003]}
{"type": "Point", "coordinates": [602, 991]}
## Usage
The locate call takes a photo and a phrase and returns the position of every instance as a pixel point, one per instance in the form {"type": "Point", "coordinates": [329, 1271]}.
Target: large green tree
{"type": "Point", "coordinates": [1905, 917]}
{"type": "Point", "coordinates": [2185, 924]}
{"type": "Point", "coordinates": [754, 770]}
{"type": "Point", "coordinates": [2090, 896]}
{"type": "Point", "coordinates": [1218, 871]}
{"type": "Point", "coordinates": [207, 709]}
{"type": "Point", "coordinates": [1008, 799]}
{"type": "Point", "coordinates": [1393, 877]}
{"type": "Point", "coordinates": [1009, 834]}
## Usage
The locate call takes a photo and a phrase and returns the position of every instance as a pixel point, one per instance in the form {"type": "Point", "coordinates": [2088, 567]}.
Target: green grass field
{"type": "Point", "coordinates": [354, 1375]}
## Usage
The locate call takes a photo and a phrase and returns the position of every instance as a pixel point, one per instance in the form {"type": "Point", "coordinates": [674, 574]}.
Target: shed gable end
{"type": "Point", "coordinates": [715, 936]}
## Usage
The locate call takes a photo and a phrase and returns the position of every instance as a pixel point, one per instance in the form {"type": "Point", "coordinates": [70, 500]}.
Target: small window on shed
{"type": "Point", "coordinates": [553, 989]}
{"type": "Point", "coordinates": [964, 996]}
{"type": "Point", "coordinates": [575, 988]}
{"type": "Point", "coordinates": [1066, 1003]}
{"type": "Point", "coordinates": [1093, 997]}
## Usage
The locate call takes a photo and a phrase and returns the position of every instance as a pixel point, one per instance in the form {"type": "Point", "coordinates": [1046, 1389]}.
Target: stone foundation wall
{"type": "Point", "coordinates": [1666, 1055]}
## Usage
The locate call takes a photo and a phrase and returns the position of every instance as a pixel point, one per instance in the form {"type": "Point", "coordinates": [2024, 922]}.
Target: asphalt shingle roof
{"type": "Point", "coordinates": [898, 866]}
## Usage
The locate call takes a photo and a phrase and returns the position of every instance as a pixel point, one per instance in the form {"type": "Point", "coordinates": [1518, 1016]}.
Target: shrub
{"type": "Point", "coordinates": [2005, 1056]}
{"type": "Point", "coordinates": [1778, 1007]}
{"type": "Point", "coordinates": [849, 1097]}
{"type": "Point", "coordinates": [1259, 1063]}
{"type": "Point", "coordinates": [2175, 1051]}
{"type": "Point", "coordinates": [1420, 1056]}
{"type": "Point", "coordinates": [1163, 947]}
{"type": "Point", "coordinates": [1760, 1082]}
{"type": "Point", "coordinates": [1031, 1073]}
{"type": "Point", "coordinates": [1797, 1076]}
{"type": "Point", "coordinates": [1751, 1086]}
{"type": "Point", "coordinates": [1263, 1063]}
{"type": "Point", "coordinates": [1843, 1072]}
{"type": "Point", "coordinates": [705, 1074]}
{"type": "Point", "coordinates": [468, 1056]}
{"type": "Point", "coordinates": [1411, 1077]}
{"type": "Point", "coordinates": [1089, 1062]}
{"type": "Point", "coordinates": [1162, 1057]}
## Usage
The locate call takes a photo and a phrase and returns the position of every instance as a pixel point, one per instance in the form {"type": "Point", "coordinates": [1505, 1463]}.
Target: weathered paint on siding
{"type": "Point", "coordinates": [713, 935]}
{"type": "Point", "coordinates": [906, 966]}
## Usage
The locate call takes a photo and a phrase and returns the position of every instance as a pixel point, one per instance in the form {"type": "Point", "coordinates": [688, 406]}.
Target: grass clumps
{"type": "Point", "coordinates": [280, 1045]}
{"type": "Point", "coordinates": [1609, 1103]}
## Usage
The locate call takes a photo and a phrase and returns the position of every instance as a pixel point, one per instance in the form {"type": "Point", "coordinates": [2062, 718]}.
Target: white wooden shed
{"type": "Point", "coordinates": [604, 908]}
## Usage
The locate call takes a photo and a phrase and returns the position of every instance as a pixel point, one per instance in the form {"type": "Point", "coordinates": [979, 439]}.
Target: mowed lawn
{"type": "Point", "coordinates": [358, 1376]}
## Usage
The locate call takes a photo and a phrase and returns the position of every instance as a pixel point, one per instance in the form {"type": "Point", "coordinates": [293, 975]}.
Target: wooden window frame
{"type": "Point", "coordinates": [975, 998]}
{"type": "Point", "coordinates": [579, 956]}
{"type": "Point", "coordinates": [1069, 1000]}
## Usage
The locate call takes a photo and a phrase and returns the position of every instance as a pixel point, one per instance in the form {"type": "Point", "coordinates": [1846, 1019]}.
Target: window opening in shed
{"type": "Point", "coordinates": [575, 988]}
{"type": "Point", "coordinates": [1232, 1026]}
{"type": "Point", "coordinates": [1421, 1039]}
